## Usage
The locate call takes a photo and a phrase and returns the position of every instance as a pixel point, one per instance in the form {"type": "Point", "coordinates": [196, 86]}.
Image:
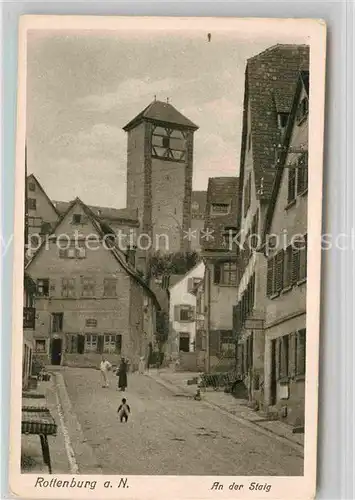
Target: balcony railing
{"type": "Point", "coordinates": [29, 318]}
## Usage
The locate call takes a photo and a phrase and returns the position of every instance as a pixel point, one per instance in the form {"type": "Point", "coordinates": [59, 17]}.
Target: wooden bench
{"type": "Point", "coordinates": [40, 422]}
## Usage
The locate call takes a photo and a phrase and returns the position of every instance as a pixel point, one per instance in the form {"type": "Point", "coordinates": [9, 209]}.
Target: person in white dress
{"type": "Point", "coordinates": [105, 367]}
{"type": "Point", "coordinates": [141, 365]}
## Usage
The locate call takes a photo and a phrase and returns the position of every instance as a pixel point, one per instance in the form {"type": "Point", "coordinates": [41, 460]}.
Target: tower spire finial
{"type": "Point", "coordinates": [155, 97]}
{"type": "Point", "coordinates": [167, 100]}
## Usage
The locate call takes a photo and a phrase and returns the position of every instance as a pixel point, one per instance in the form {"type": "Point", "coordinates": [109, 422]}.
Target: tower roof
{"type": "Point", "coordinates": [163, 112]}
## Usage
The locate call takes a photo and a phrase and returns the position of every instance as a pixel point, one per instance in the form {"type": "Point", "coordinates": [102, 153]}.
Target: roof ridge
{"type": "Point", "coordinates": [277, 45]}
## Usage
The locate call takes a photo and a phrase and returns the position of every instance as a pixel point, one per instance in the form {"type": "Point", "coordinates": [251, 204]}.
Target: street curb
{"type": "Point", "coordinates": [247, 423]}
{"type": "Point", "coordinates": [73, 435]}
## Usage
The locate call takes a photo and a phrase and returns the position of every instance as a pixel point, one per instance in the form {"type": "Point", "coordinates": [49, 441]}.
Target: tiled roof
{"type": "Point", "coordinates": [161, 112]}
{"type": "Point", "coordinates": [106, 213]}
{"type": "Point", "coordinates": [303, 79]}
{"type": "Point", "coordinates": [268, 76]}
{"type": "Point", "coordinates": [198, 204]}
{"type": "Point", "coordinates": [220, 190]}
{"type": "Point", "coordinates": [283, 100]}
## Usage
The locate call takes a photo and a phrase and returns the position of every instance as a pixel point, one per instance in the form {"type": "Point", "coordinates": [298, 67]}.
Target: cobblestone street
{"type": "Point", "coordinates": [168, 433]}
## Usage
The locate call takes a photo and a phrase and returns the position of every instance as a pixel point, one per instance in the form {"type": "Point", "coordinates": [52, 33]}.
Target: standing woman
{"type": "Point", "coordinates": [141, 365]}
{"type": "Point", "coordinates": [122, 375]}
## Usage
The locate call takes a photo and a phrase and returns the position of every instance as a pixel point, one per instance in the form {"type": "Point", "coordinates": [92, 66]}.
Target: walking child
{"type": "Point", "coordinates": [123, 410]}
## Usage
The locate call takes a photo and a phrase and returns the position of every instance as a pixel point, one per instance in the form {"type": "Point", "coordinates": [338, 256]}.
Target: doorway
{"type": "Point", "coordinates": [273, 385]}
{"type": "Point", "coordinates": [184, 342]}
{"type": "Point", "coordinates": [56, 351]}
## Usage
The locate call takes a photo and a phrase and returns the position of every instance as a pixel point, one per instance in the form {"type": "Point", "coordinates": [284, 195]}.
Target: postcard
{"type": "Point", "coordinates": [167, 249]}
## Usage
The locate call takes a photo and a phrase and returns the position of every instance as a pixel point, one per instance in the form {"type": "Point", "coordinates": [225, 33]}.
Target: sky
{"type": "Point", "coordinates": [84, 86]}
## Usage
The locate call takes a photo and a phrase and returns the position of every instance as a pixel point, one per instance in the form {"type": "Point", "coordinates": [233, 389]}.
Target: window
{"type": "Point", "coordinates": [90, 343]}
{"type": "Point", "coordinates": [275, 274]}
{"type": "Point", "coordinates": [184, 313]}
{"type": "Point", "coordinates": [302, 110]}
{"type": "Point", "coordinates": [291, 196]}
{"type": "Point", "coordinates": [219, 208]}
{"type": "Point", "coordinates": [192, 283]}
{"type": "Point", "coordinates": [35, 222]}
{"type": "Point", "coordinates": [43, 287]}
{"type": "Point", "coordinates": [32, 203]}
{"type": "Point", "coordinates": [57, 322]}
{"type": "Point", "coordinates": [40, 345]}
{"type": "Point", "coordinates": [247, 195]}
{"type": "Point", "coordinates": [109, 343]}
{"type": "Point", "coordinates": [282, 120]}
{"type": "Point", "coordinates": [302, 173]}
{"type": "Point", "coordinates": [73, 251]}
{"type": "Point", "coordinates": [110, 287]}
{"type": "Point", "coordinates": [68, 287]}
{"type": "Point", "coordinates": [31, 186]}
{"type": "Point", "coordinates": [254, 240]}
{"type": "Point", "coordinates": [300, 352]}
{"type": "Point", "coordinates": [77, 219]}
{"type": "Point", "coordinates": [87, 287]}
{"type": "Point", "coordinates": [225, 273]}
{"type": "Point", "coordinates": [91, 323]}
{"type": "Point", "coordinates": [166, 142]}
{"type": "Point", "coordinates": [284, 352]}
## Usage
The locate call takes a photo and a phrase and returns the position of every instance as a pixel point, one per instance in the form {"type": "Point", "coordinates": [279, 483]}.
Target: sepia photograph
{"type": "Point", "coordinates": [167, 238]}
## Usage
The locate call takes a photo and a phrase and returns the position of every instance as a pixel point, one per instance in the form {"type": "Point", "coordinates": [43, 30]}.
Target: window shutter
{"type": "Point", "coordinates": [295, 265]}
{"type": "Point", "coordinates": [279, 264]}
{"type": "Point", "coordinates": [192, 313]}
{"type": "Point", "coordinates": [270, 272]}
{"type": "Point", "coordinates": [177, 313]}
{"type": "Point", "coordinates": [303, 260]}
{"type": "Point", "coordinates": [302, 173]}
{"type": "Point", "coordinates": [217, 274]}
{"type": "Point", "coordinates": [288, 267]}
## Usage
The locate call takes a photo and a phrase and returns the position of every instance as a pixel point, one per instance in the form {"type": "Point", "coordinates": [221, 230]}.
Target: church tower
{"type": "Point", "coordinates": [159, 174]}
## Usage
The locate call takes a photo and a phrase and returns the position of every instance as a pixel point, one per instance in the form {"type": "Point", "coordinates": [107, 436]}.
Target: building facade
{"type": "Point", "coordinates": [182, 312]}
{"type": "Point", "coordinates": [220, 278]}
{"type": "Point", "coordinates": [286, 269]}
{"type": "Point", "coordinates": [270, 81]}
{"type": "Point", "coordinates": [90, 300]}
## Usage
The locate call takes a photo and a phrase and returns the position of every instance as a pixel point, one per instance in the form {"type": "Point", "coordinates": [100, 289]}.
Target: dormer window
{"type": "Point", "coordinates": [282, 120]}
{"type": "Point", "coordinates": [77, 219]}
{"type": "Point", "coordinates": [220, 208]}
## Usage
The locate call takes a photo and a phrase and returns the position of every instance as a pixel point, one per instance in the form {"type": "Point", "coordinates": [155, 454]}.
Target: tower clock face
{"type": "Point", "coordinates": [169, 144]}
